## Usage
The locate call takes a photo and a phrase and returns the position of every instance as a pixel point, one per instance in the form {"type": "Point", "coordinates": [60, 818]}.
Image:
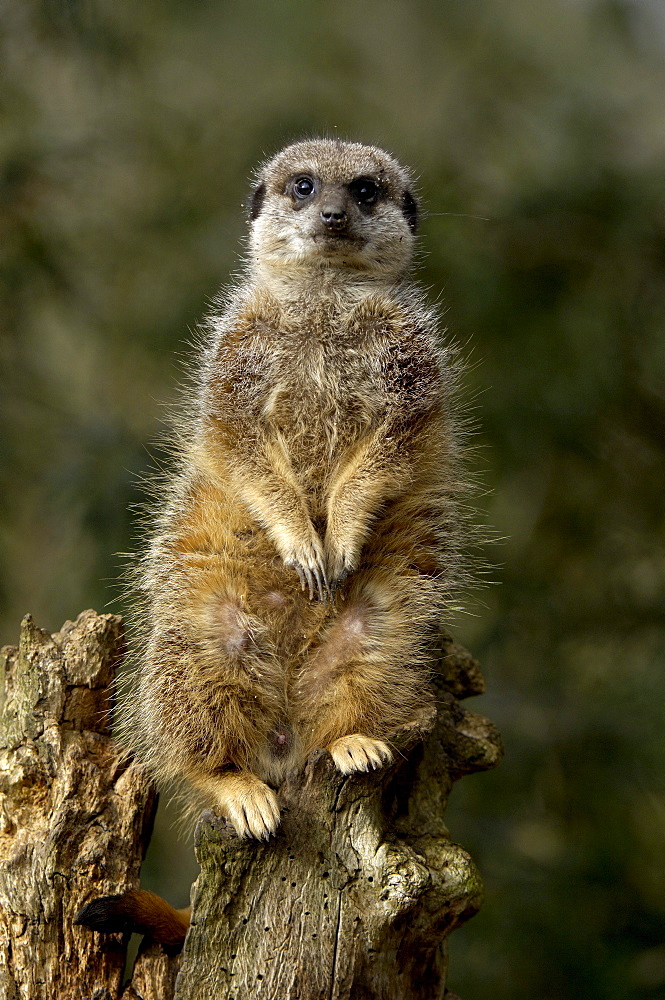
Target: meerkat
{"type": "Point", "coordinates": [311, 537]}
{"type": "Point", "coordinates": [309, 541]}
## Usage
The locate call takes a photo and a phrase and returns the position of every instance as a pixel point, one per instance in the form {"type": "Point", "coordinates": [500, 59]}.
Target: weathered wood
{"type": "Point", "coordinates": [75, 818]}
{"type": "Point", "coordinates": [154, 975]}
{"type": "Point", "coordinates": [353, 899]}
{"type": "Point", "coordinates": [355, 896]}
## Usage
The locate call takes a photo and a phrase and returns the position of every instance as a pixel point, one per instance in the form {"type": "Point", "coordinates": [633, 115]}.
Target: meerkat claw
{"type": "Point", "coordinates": [301, 576]}
{"type": "Point", "coordinates": [313, 579]}
{"type": "Point", "coordinates": [359, 753]}
{"type": "Point", "coordinates": [258, 816]}
{"type": "Point", "coordinates": [250, 805]}
{"type": "Point", "coordinates": [322, 584]}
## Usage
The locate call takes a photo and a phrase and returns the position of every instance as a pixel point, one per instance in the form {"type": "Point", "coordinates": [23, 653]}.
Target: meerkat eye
{"type": "Point", "coordinates": [364, 190]}
{"type": "Point", "coordinates": [303, 186]}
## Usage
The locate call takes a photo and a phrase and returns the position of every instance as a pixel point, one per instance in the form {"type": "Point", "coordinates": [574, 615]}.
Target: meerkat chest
{"type": "Point", "coordinates": [325, 391]}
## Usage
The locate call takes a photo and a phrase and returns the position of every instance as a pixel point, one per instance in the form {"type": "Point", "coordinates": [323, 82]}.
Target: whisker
{"type": "Point", "coordinates": [458, 215]}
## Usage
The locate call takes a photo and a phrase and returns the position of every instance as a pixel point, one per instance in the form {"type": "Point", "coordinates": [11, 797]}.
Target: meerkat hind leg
{"type": "Point", "coordinates": [246, 801]}
{"type": "Point", "coordinates": [359, 753]}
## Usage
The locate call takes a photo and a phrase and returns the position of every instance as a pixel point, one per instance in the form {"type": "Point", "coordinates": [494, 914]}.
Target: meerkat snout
{"type": "Point", "coordinates": [333, 214]}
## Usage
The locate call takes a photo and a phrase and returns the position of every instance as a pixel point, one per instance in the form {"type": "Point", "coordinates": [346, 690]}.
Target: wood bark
{"type": "Point", "coordinates": [354, 898]}
{"type": "Point", "coordinates": [75, 819]}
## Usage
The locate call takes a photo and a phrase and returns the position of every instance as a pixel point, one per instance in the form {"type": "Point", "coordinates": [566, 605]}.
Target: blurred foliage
{"type": "Point", "coordinates": [127, 134]}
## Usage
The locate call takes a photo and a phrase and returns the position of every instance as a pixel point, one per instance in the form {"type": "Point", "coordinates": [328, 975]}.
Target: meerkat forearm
{"type": "Point", "coordinates": [291, 531]}
{"type": "Point", "coordinates": [268, 486]}
{"type": "Point", "coordinates": [356, 496]}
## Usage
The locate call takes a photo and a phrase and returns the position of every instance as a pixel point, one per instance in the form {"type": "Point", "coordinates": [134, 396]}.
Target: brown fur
{"type": "Point", "coordinates": [308, 544]}
{"type": "Point", "coordinates": [140, 911]}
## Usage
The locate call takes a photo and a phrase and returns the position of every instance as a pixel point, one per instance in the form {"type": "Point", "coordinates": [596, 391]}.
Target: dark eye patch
{"type": "Point", "coordinates": [410, 209]}
{"type": "Point", "coordinates": [365, 191]}
{"type": "Point", "coordinates": [256, 203]}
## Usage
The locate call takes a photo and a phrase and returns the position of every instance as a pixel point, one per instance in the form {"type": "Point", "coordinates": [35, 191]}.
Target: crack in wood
{"type": "Point", "coordinates": [333, 976]}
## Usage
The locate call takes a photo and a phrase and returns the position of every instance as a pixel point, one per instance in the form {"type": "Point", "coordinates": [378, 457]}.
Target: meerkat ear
{"type": "Point", "coordinates": [256, 201]}
{"type": "Point", "coordinates": [410, 209]}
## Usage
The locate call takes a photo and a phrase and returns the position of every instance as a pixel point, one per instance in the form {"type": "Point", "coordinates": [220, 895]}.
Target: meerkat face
{"type": "Point", "coordinates": [329, 204]}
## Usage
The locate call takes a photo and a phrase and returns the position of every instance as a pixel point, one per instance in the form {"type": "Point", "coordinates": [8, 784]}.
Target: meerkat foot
{"type": "Point", "coordinates": [249, 804]}
{"type": "Point", "coordinates": [359, 753]}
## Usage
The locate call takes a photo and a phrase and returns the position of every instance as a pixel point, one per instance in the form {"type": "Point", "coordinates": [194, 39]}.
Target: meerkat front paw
{"type": "Point", "coordinates": [308, 561]}
{"type": "Point", "coordinates": [359, 753]}
{"type": "Point", "coordinates": [249, 804]}
{"type": "Point", "coordinates": [341, 560]}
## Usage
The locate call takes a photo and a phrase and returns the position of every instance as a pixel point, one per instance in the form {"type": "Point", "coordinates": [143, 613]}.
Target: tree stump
{"type": "Point", "coordinates": [75, 819]}
{"type": "Point", "coordinates": [354, 898]}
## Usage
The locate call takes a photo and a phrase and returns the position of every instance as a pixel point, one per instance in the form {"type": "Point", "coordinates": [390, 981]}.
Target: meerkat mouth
{"type": "Point", "coordinates": [340, 239]}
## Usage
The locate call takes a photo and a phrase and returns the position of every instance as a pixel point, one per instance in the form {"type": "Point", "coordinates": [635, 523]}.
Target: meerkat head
{"type": "Point", "coordinates": [327, 204]}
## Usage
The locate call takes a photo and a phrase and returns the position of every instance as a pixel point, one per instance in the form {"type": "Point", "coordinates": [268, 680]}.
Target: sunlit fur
{"type": "Point", "coordinates": [320, 435]}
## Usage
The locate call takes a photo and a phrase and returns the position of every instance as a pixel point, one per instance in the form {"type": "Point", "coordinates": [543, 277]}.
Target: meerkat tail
{"type": "Point", "coordinates": [137, 911]}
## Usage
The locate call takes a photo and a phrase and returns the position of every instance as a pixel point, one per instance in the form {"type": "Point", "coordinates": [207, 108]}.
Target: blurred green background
{"type": "Point", "coordinates": [128, 133]}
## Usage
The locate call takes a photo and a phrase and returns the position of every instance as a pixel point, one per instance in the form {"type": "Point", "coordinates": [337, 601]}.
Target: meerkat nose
{"type": "Point", "coordinates": [333, 216]}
